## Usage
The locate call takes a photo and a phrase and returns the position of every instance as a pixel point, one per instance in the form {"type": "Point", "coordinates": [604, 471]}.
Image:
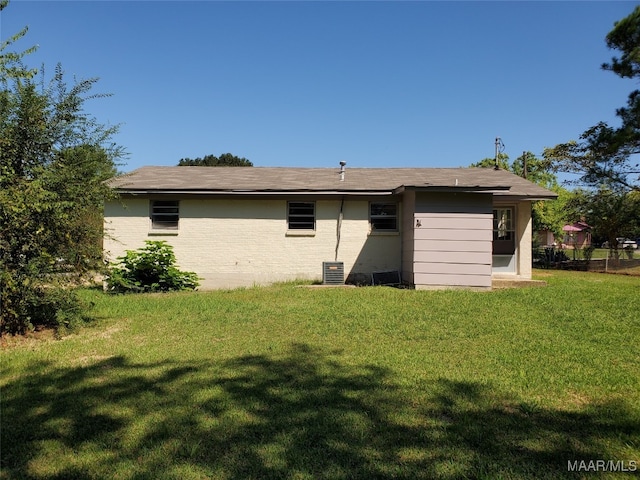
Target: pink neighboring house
{"type": "Point", "coordinates": [577, 235]}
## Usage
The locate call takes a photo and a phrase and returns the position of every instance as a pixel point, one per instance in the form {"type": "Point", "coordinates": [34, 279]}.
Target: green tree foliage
{"type": "Point", "coordinates": [553, 215]}
{"type": "Point", "coordinates": [604, 155]}
{"type": "Point", "coordinates": [149, 269]}
{"type": "Point", "coordinates": [54, 159]}
{"type": "Point", "coordinates": [611, 213]}
{"type": "Point", "coordinates": [224, 160]}
{"type": "Point", "coordinates": [537, 170]}
{"type": "Point", "coordinates": [546, 215]}
{"type": "Point", "coordinates": [11, 62]}
{"type": "Point", "coordinates": [503, 162]}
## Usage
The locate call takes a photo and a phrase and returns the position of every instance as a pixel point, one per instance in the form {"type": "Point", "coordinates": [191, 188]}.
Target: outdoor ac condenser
{"type": "Point", "coordinates": [332, 273]}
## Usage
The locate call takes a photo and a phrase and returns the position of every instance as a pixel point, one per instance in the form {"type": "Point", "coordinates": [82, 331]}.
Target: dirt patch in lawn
{"type": "Point", "coordinates": [498, 283]}
{"type": "Point", "coordinates": [29, 339]}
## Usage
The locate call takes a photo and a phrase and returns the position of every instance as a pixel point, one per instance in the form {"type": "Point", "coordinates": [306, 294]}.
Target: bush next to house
{"type": "Point", "coordinates": [149, 269]}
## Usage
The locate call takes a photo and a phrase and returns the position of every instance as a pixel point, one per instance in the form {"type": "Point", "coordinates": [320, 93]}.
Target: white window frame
{"type": "Point", "coordinates": [504, 230]}
{"type": "Point", "coordinates": [383, 216]}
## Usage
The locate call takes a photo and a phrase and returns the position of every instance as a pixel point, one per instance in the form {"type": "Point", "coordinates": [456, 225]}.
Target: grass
{"type": "Point", "coordinates": [606, 253]}
{"type": "Point", "coordinates": [287, 382]}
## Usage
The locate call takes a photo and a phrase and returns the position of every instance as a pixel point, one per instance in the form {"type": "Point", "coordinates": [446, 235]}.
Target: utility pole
{"type": "Point", "coordinates": [499, 148]}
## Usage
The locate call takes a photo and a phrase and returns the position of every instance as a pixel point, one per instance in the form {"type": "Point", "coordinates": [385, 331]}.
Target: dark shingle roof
{"type": "Point", "coordinates": [252, 180]}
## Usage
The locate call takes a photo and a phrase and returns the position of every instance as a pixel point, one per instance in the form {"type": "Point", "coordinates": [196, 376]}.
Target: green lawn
{"type": "Point", "coordinates": [312, 383]}
{"type": "Point", "coordinates": [604, 253]}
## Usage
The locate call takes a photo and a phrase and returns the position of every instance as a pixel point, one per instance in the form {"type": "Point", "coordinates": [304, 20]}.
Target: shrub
{"type": "Point", "coordinates": [149, 269]}
{"type": "Point", "coordinates": [628, 251]}
{"type": "Point", "coordinates": [587, 252]}
{"type": "Point", "coordinates": [29, 304]}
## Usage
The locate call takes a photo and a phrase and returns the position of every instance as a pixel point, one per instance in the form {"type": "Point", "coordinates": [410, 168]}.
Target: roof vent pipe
{"type": "Point", "coordinates": [342, 165]}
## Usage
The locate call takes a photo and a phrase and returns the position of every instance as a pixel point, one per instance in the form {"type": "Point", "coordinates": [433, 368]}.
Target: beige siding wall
{"type": "Point", "coordinates": [408, 222]}
{"type": "Point", "coordinates": [232, 243]}
{"type": "Point", "coordinates": [452, 240]}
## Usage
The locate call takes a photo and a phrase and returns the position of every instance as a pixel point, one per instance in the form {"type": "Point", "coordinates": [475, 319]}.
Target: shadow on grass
{"type": "Point", "coordinates": [302, 414]}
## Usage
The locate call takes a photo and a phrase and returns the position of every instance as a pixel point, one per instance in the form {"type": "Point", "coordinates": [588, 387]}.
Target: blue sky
{"type": "Point", "coordinates": [307, 84]}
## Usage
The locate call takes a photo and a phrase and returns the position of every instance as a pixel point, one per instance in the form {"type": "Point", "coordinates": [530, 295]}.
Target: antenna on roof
{"type": "Point", "coordinates": [499, 150]}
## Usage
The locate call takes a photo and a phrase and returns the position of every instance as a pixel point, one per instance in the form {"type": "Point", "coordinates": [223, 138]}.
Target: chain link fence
{"type": "Point", "coordinates": [622, 260]}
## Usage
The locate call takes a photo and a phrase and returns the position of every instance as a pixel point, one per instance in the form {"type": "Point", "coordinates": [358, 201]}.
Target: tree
{"type": "Point", "coordinates": [54, 159]}
{"type": "Point", "coordinates": [611, 213]}
{"type": "Point", "coordinates": [545, 215]}
{"type": "Point", "coordinates": [503, 162]}
{"type": "Point", "coordinates": [552, 216]}
{"type": "Point", "coordinates": [10, 62]}
{"type": "Point", "coordinates": [225, 160]}
{"type": "Point", "coordinates": [605, 155]}
{"type": "Point", "coordinates": [535, 170]}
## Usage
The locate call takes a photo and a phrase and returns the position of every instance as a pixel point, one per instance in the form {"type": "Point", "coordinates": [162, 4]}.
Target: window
{"type": "Point", "coordinates": [383, 217]}
{"type": "Point", "coordinates": [165, 214]}
{"type": "Point", "coordinates": [504, 234]}
{"type": "Point", "coordinates": [301, 215]}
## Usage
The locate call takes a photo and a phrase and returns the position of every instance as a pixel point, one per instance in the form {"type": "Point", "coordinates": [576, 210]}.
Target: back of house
{"type": "Point", "coordinates": [429, 227]}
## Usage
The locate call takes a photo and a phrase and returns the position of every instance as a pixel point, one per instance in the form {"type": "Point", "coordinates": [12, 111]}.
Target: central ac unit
{"type": "Point", "coordinates": [333, 273]}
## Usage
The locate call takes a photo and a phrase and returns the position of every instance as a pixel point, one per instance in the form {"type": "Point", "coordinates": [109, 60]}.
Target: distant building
{"type": "Point", "coordinates": [577, 235]}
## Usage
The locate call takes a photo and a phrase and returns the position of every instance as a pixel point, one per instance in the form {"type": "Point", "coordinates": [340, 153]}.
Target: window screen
{"type": "Point", "coordinates": [165, 214]}
{"type": "Point", "coordinates": [301, 215]}
{"type": "Point", "coordinates": [383, 217]}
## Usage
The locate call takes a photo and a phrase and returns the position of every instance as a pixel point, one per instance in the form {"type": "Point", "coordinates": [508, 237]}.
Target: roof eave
{"type": "Point", "coordinates": [526, 197]}
{"type": "Point", "coordinates": [154, 191]}
{"type": "Point", "coordinates": [453, 188]}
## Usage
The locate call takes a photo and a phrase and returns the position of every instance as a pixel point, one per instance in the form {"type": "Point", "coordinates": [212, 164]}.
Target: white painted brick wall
{"type": "Point", "coordinates": [241, 243]}
{"type": "Point", "coordinates": [232, 243]}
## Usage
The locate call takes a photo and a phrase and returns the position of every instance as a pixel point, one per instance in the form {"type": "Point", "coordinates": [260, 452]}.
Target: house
{"type": "Point", "coordinates": [577, 235]}
{"type": "Point", "coordinates": [243, 226]}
